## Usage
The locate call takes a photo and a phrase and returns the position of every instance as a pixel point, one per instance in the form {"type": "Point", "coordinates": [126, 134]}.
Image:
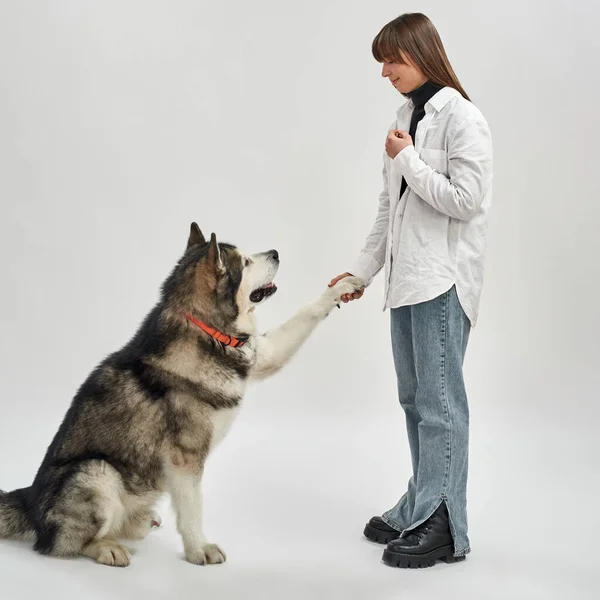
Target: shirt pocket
{"type": "Point", "coordinates": [437, 159]}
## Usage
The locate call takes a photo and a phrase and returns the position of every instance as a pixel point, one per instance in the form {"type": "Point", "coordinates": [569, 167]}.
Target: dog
{"type": "Point", "coordinates": [145, 420]}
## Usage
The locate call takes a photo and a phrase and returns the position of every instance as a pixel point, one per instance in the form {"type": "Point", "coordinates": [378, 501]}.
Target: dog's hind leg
{"type": "Point", "coordinates": [107, 552]}
{"type": "Point", "coordinates": [139, 524]}
{"type": "Point", "coordinates": [84, 516]}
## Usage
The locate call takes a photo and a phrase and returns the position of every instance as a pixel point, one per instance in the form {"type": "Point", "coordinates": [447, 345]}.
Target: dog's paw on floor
{"type": "Point", "coordinates": [109, 553]}
{"type": "Point", "coordinates": [209, 554]}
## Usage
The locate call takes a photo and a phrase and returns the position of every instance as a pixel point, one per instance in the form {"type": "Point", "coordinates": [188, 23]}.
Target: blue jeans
{"type": "Point", "coordinates": [429, 341]}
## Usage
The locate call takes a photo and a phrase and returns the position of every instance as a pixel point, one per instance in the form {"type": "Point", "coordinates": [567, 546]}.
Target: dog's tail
{"type": "Point", "coordinates": [14, 523]}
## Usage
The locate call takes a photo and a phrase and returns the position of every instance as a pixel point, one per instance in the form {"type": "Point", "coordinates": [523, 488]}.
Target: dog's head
{"type": "Point", "coordinates": [222, 285]}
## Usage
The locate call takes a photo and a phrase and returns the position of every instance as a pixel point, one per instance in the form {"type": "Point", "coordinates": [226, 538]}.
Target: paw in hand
{"type": "Point", "coordinates": [348, 288]}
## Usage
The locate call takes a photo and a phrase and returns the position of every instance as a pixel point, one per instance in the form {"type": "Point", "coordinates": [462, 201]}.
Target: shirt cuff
{"type": "Point", "coordinates": [366, 267]}
{"type": "Point", "coordinates": [403, 157]}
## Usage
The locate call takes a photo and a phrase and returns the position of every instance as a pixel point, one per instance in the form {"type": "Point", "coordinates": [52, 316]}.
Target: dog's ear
{"type": "Point", "coordinates": [214, 255]}
{"type": "Point", "coordinates": [196, 238]}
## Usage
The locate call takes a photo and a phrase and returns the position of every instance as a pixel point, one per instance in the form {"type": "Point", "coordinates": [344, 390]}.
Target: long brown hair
{"type": "Point", "coordinates": [416, 36]}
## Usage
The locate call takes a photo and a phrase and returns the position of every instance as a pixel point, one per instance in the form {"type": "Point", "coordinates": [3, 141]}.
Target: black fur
{"type": "Point", "coordinates": [14, 508]}
{"type": "Point", "coordinates": [124, 411]}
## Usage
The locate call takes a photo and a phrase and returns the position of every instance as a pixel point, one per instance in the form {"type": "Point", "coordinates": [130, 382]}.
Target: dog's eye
{"type": "Point", "coordinates": [247, 262]}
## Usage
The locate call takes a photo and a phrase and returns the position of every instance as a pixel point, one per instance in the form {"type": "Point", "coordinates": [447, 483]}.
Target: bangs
{"type": "Point", "coordinates": [413, 38]}
{"type": "Point", "coordinates": [387, 45]}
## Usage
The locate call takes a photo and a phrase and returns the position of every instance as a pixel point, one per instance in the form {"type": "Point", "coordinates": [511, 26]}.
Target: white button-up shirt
{"type": "Point", "coordinates": [434, 236]}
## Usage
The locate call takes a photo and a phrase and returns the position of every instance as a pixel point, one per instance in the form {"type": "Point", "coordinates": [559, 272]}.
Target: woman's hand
{"type": "Point", "coordinates": [347, 297]}
{"type": "Point", "coordinates": [396, 141]}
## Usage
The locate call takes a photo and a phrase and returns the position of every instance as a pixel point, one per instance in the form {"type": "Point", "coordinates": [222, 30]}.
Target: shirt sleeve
{"type": "Point", "coordinates": [372, 257]}
{"type": "Point", "coordinates": [460, 194]}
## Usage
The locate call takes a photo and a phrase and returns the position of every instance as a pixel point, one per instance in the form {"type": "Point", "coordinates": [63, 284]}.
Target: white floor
{"type": "Point", "coordinates": [288, 507]}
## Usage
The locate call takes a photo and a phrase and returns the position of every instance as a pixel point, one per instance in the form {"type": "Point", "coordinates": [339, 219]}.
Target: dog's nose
{"type": "Point", "coordinates": [275, 254]}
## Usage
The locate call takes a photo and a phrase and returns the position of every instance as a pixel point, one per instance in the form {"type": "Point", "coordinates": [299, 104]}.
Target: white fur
{"type": "Point", "coordinates": [221, 422]}
{"type": "Point", "coordinates": [276, 348]}
{"type": "Point", "coordinates": [186, 494]}
{"type": "Point", "coordinates": [271, 352]}
{"type": "Point", "coordinates": [260, 271]}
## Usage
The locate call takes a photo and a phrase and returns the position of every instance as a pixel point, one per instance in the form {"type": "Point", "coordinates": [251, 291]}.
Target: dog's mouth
{"type": "Point", "coordinates": [263, 292]}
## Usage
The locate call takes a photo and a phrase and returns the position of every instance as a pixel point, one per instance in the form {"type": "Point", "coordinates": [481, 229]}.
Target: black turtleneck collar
{"type": "Point", "coordinates": [423, 94]}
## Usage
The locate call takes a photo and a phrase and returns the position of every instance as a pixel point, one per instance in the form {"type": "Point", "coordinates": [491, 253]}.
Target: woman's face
{"type": "Point", "coordinates": [404, 77]}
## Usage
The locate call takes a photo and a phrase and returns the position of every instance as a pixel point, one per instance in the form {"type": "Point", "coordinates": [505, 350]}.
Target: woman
{"type": "Point", "coordinates": [430, 235]}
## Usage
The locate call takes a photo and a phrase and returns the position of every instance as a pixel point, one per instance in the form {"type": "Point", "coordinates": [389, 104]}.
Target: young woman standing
{"type": "Point", "coordinates": [430, 235]}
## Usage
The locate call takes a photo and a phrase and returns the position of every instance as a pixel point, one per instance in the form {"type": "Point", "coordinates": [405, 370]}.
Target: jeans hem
{"type": "Point", "coordinates": [392, 523]}
{"type": "Point", "coordinates": [415, 525]}
{"type": "Point", "coordinates": [399, 528]}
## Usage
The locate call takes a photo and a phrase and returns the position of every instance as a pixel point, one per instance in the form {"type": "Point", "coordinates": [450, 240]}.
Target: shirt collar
{"type": "Point", "coordinates": [437, 101]}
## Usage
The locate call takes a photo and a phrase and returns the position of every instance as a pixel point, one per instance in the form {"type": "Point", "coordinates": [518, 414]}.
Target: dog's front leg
{"type": "Point", "coordinates": [275, 348]}
{"type": "Point", "coordinates": [185, 489]}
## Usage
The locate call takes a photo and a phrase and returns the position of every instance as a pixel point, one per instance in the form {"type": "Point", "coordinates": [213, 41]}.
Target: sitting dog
{"type": "Point", "coordinates": [146, 419]}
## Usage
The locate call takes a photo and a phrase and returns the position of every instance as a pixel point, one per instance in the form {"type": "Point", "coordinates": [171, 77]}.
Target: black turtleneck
{"type": "Point", "coordinates": [420, 97]}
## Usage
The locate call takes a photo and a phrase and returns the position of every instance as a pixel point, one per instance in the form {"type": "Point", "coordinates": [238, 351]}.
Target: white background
{"type": "Point", "coordinates": [122, 121]}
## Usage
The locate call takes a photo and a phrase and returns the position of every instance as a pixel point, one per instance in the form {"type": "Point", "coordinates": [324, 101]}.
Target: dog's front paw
{"type": "Point", "coordinates": [348, 285]}
{"type": "Point", "coordinates": [195, 556]}
{"type": "Point", "coordinates": [332, 296]}
{"type": "Point", "coordinates": [209, 554]}
{"type": "Point", "coordinates": [214, 554]}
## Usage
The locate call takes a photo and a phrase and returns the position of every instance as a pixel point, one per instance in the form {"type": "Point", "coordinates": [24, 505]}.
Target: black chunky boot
{"type": "Point", "coordinates": [424, 545]}
{"type": "Point", "coordinates": [377, 530]}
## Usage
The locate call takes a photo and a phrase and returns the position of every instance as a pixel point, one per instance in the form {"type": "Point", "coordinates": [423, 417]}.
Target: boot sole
{"type": "Point", "coordinates": [378, 536]}
{"type": "Point", "coordinates": [420, 561]}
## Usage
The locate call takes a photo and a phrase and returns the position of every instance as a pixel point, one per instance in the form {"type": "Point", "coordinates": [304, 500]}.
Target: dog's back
{"type": "Point", "coordinates": [105, 468]}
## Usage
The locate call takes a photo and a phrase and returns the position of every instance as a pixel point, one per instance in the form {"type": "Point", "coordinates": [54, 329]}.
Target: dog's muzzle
{"type": "Point", "coordinates": [263, 292]}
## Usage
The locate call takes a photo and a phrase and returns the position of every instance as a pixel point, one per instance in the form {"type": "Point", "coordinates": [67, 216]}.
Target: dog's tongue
{"type": "Point", "coordinates": [262, 292]}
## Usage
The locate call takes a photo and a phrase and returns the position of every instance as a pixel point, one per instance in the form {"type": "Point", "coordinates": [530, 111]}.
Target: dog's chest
{"type": "Point", "coordinates": [221, 421]}
{"type": "Point", "coordinates": [214, 381]}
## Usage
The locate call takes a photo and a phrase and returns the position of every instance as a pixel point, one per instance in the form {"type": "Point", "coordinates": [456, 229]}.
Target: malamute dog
{"type": "Point", "coordinates": [146, 419]}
